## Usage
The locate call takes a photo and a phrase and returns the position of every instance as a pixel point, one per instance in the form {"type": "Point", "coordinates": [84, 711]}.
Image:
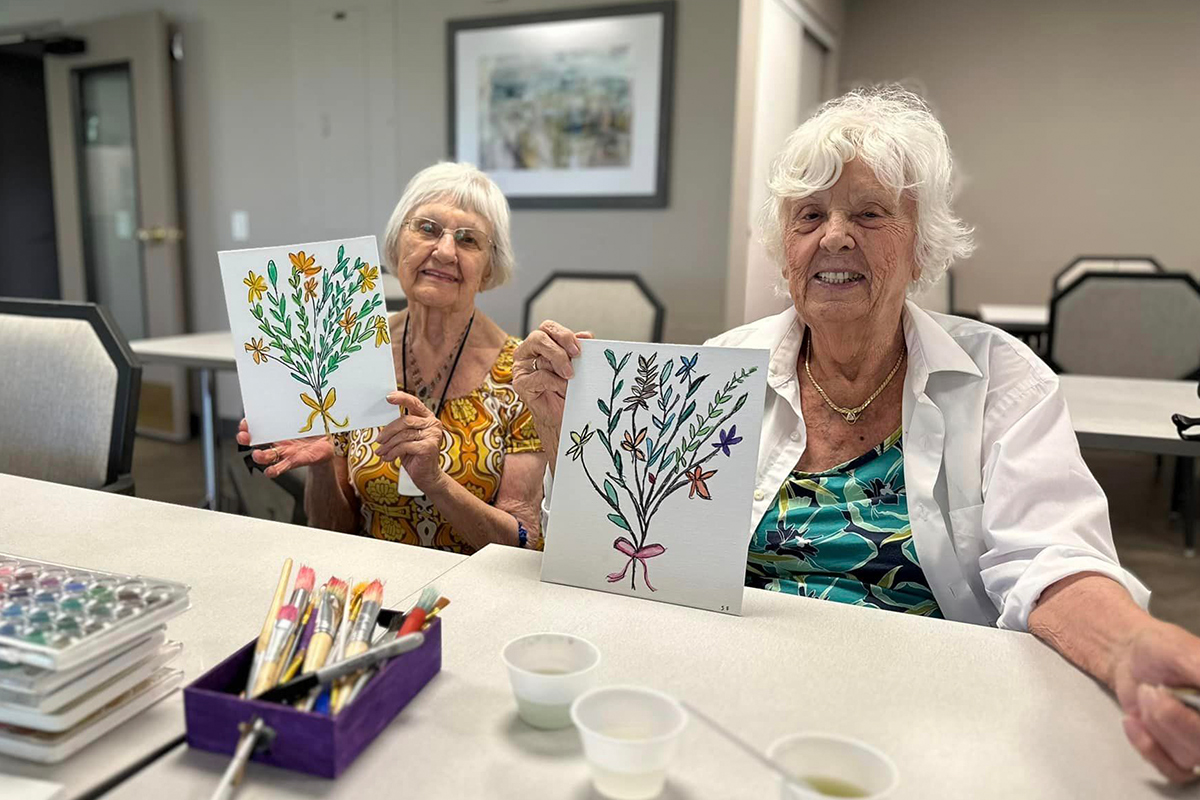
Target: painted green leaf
{"type": "Point", "coordinates": [624, 360]}
{"type": "Point", "coordinates": [272, 273]}
{"type": "Point", "coordinates": [603, 407]}
{"type": "Point", "coordinates": [687, 412]}
{"type": "Point", "coordinates": [611, 493]}
{"type": "Point", "coordinates": [619, 521]}
{"type": "Point", "coordinates": [612, 360]}
{"type": "Point", "coordinates": [741, 401]}
{"type": "Point", "coordinates": [604, 438]}
{"type": "Point", "coordinates": [341, 252]}
{"type": "Point", "coordinates": [620, 386]}
{"type": "Point", "coordinates": [666, 371]}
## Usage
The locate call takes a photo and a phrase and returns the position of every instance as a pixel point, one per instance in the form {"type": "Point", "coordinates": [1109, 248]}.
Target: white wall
{"type": "Point", "coordinates": [1075, 123]}
{"type": "Point", "coordinates": [260, 76]}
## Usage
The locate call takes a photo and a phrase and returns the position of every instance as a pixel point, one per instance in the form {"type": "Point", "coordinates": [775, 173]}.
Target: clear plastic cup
{"type": "Point", "coordinates": [548, 671]}
{"type": "Point", "coordinates": [630, 735]}
{"type": "Point", "coordinates": [826, 764]}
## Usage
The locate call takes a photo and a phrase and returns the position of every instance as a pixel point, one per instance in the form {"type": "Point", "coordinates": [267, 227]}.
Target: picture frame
{"type": "Point", "coordinates": [566, 109]}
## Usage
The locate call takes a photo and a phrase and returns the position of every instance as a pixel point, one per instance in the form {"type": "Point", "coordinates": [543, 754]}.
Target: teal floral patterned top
{"type": "Point", "coordinates": [844, 535]}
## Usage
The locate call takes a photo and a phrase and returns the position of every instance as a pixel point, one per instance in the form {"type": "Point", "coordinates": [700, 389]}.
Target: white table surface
{"type": "Point", "coordinates": [965, 711]}
{"type": "Point", "coordinates": [1130, 413]}
{"type": "Point", "coordinates": [232, 564]}
{"type": "Point", "coordinates": [200, 350]}
{"type": "Point", "coordinates": [1003, 314]}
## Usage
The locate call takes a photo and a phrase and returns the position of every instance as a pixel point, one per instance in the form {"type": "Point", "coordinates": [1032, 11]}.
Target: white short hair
{"type": "Point", "coordinates": [896, 134]}
{"type": "Point", "coordinates": [465, 186]}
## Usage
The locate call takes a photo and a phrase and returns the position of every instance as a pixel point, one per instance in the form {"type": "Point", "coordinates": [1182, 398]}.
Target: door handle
{"type": "Point", "coordinates": [159, 233]}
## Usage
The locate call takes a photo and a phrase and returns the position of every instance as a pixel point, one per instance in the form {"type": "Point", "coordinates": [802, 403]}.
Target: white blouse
{"type": "Point", "coordinates": [1001, 503]}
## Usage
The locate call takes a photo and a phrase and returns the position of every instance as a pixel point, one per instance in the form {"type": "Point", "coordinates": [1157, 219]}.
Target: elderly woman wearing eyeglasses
{"type": "Point", "coordinates": [466, 440]}
{"type": "Point", "coordinates": [914, 462]}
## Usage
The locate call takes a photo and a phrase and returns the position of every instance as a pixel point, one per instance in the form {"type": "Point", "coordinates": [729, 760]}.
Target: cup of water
{"type": "Point", "coordinates": [630, 735]}
{"type": "Point", "coordinates": [548, 671]}
{"type": "Point", "coordinates": [827, 765]}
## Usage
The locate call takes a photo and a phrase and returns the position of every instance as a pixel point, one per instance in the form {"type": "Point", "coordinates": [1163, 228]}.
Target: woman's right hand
{"type": "Point", "coordinates": [541, 369]}
{"type": "Point", "coordinates": [287, 454]}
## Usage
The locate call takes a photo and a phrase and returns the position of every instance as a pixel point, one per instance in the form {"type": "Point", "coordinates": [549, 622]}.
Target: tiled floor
{"type": "Point", "coordinates": [1148, 542]}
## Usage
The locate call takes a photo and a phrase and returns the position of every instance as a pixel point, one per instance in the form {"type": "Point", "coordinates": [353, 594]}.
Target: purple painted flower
{"type": "Point", "coordinates": [728, 439]}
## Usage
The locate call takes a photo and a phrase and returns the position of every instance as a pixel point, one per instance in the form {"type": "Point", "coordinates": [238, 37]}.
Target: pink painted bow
{"type": "Point", "coordinates": [636, 554]}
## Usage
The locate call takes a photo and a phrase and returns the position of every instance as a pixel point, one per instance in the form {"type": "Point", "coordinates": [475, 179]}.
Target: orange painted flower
{"type": "Point", "coordinates": [634, 445]}
{"type": "Point", "coordinates": [258, 350]}
{"type": "Point", "coordinates": [303, 263]}
{"type": "Point", "coordinates": [310, 289]}
{"type": "Point", "coordinates": [346, 323]}
{"type": "Point", "coordinates": [257, 284]}
{"type": "Point", "coordinates": [698, 486]}
{"type": "Point", "coordinates": [381, 332]}
{"type": "Point", "coordinates": [369, 276]}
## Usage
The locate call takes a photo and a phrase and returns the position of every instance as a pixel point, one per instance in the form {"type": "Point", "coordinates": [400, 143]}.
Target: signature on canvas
{"type": "Point", "coordinates": [320, 328]}
{"type": "Point", "coordinates": [653, 459]}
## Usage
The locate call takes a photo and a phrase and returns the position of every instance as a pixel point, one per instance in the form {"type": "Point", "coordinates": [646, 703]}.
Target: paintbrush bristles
{"type": "Point", "coordinates": [374, 592]}
{"type": "Point", "coordinates": [428, 599]}
{"type": "Point", "coordinates": [306, 579]}
{"type": "Point", "coordinates": [288, 613]}
{"type": "Point", "coordinates": [337, 588]}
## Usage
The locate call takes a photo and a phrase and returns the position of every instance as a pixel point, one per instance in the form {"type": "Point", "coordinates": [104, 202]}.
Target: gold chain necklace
{"type": "Point", "coordinates": [851, 415]}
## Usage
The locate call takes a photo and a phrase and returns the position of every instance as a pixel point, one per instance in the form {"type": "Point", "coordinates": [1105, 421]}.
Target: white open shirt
{"type": "Point", "coordinates": [1000, 500]}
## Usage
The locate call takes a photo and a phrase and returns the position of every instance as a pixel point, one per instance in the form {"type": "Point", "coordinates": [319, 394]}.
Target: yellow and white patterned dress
{"type": "Point", "coordinates": [479, 430]}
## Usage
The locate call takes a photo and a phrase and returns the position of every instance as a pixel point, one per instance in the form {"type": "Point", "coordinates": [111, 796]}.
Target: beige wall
{"type": "Point", "coordinates": [1075, 122]}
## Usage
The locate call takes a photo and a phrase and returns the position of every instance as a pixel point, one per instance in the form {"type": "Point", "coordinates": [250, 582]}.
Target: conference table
{"type": "Point", "coordinates": [964, 710]}
{"type": "Point", "coordinates": [1135, 414]}
{"type": "Point", "coordinates": [231, 563]}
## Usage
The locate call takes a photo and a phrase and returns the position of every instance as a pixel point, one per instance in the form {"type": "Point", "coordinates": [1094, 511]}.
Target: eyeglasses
{"type": "Point", "coordinates": [468, 239]}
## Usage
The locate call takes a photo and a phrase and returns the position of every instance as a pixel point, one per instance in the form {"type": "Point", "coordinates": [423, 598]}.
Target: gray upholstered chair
{"type": "Point", "coordinates": [610, 305]}
{"type": "Point", "coordinates": [1084, 264]}
{"type": "Point", "coordinates": [938, 298]}
{"type": "Point", "coordinates": [1143, 325]}
{"type": "Point", "coordinates": [69, 392]}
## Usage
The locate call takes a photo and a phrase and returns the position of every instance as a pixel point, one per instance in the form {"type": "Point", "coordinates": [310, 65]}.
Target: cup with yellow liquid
{"type": "Point", "coordinates": [547, 672]}
{"type": "Point", "coordinates": [630, 735]}
{"type": "Point", "coordinates": [825, 766]}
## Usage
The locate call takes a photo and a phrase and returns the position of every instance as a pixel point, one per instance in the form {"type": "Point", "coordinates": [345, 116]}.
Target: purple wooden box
{"type": "Point", "coordinates": [305, 741]}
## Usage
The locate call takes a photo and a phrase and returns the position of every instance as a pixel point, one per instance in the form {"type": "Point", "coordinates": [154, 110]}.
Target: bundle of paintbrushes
{"type": "Point", "coordinates": [319, 650]}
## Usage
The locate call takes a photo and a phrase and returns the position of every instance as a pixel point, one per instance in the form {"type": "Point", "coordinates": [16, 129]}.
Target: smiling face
{"type": "Point", "coordinates": [439, 274]}
{"type": "Point", "coordinates": [849, 250]}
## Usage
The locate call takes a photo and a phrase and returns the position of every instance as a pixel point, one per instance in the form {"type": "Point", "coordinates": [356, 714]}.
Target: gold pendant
{"type": "Point", "coordinates": [851, 417]}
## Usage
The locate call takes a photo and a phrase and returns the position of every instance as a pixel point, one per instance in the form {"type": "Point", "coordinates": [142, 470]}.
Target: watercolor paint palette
{"type": "Point", "coordinates": [56, 617]}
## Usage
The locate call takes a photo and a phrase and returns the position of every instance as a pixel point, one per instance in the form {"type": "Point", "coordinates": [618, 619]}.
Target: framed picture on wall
{"type": "Point", "coordinates": [567, 109]}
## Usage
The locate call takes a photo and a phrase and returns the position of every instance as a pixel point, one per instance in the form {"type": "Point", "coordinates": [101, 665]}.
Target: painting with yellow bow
{"type": "Point", "coordinates": [310, 336]}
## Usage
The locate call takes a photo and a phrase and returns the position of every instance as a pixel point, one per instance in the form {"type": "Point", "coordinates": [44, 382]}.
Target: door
{"type": "Point", "coordinates": [116, 206]}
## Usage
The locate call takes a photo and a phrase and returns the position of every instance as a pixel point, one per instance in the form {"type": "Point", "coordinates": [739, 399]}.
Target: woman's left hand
{"type": "Point", "coordinates": [1163, 730]}
{"type": "Point", "coordinates": [416, 438]}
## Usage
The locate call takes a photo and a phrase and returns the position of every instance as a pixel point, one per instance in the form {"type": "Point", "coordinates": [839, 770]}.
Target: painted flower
{"type": "Point", "coordinates": [310, 289]}
{"type": "Point", "coordinates": [697, 480]}
{"type": "Point", "coordinates": [257, 284]}
{"type": "Point", "coordinates": [728, 439]}
{"type": "Point", "coordinates": [686, 365]}
{"type": "Point", "coordinates": [258, 350]}
{"type": "Point", "coordinates": [346, 323]}
{"type": "Point", "coordinates": [369, 276]}
{"type": "Point", "coordinates": [575, 451]}
{"type": "Point", "coordinates": [303, 263]}
{"type": "Point", "coordinates": [381, 332]}
{"type": "Point", "coordinates": [634, 445]}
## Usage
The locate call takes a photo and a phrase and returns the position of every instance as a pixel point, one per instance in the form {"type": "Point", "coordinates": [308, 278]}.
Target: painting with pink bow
{"type": "Point", "coordinates": [654, 481]}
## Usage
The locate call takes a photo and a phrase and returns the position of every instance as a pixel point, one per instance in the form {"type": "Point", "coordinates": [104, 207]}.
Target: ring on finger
{"type": "Point", "coordinates": [275, 454]}
{"type": "Point", "coordinates": [535, 363]}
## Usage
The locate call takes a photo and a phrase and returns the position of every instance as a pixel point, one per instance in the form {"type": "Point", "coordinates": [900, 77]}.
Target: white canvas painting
{"type": "Point", "coordinates": [655, 475]}
{"type": "Point", "coordinates": [310, 336]}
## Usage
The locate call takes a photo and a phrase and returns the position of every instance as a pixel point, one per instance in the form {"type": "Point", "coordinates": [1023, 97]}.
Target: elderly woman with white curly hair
{"type": "Point", "coordinates": [467, 441]}
{"type": "Point", "coordinates": [917, 462]}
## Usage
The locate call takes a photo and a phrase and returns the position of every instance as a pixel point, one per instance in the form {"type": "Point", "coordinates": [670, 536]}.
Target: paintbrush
{"type": "Point", "coordinates": [302, 592]}
{"type": "Point", "coordinates": [305, 684]}
{"type": "Point", "coordinates": [415, 618]}
{"type": "Point", "coordinates": [360, 634]}
{"type": "Point", "coordinates": [367, 675]}
{"type": "Point", "coordinates": [306, 633]}
{"type": "Point", "coordinates": [329, 619]}
{"type": "Point", "coordinates": [268, 675]}
{"type": "Point", "coordinates": [264, 638]}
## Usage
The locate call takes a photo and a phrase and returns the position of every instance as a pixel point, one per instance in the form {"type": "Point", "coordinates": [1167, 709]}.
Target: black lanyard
{"type": "Point", "coordinates": [453, 367]}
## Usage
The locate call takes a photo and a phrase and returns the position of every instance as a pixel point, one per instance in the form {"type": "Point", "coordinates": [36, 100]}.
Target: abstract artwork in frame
{"type": "Point", "coordinates": [654, 481]}
{"type": "Point", "coordinates": [311, 337]}
{"type": "Point", "coordinates": [566, 109]}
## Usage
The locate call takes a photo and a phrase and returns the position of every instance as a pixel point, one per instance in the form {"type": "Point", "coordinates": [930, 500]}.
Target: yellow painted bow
{"type": "Point", "coordinates": [324, 409]}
